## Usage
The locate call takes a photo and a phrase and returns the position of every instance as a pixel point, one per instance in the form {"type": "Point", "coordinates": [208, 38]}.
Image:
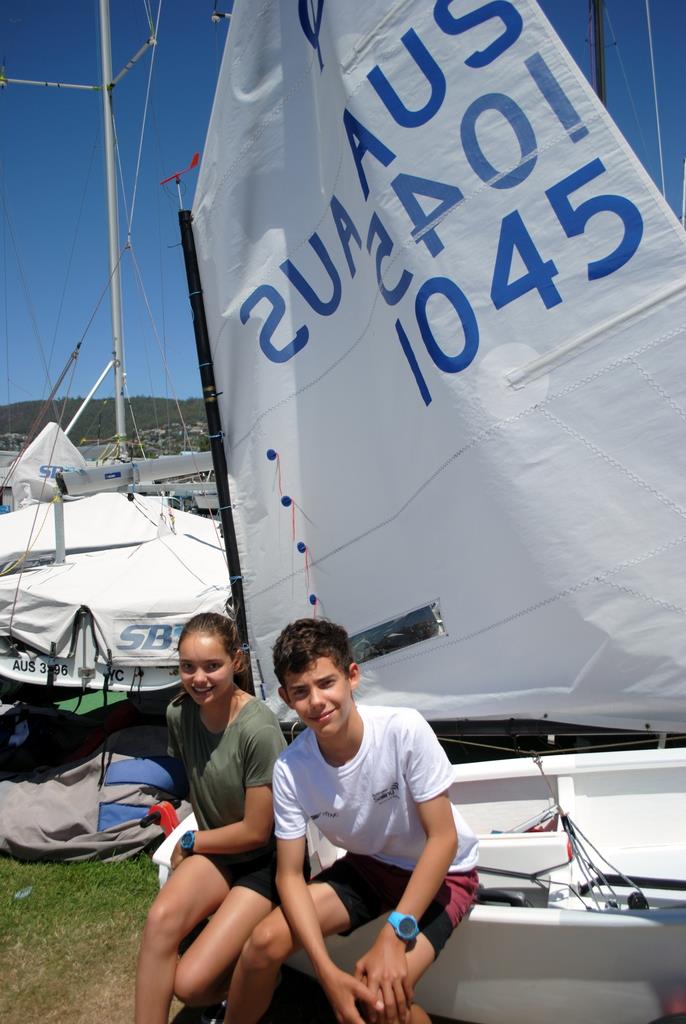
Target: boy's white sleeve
{"type": "Point", "coordinates": [290, 821]}
{"type": "Point", "coordinates": [428, 771]}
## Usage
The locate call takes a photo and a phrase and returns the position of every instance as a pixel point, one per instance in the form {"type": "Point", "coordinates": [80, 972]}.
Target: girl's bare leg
{"type": "Point", "coordinates": [272, 942]}
{"type": "Point", "coordinates": [203, 973]}
{"type": "Point", "coordinates": [194, 891]}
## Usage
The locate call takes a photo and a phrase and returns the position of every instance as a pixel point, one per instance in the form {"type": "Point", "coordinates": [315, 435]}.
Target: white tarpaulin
{"type": "Point", "coordinates": [93, 523]}
{"type": "Point", "coordinates": [449, 303]}
{"type": "Point", "coordinates": [138, 598]}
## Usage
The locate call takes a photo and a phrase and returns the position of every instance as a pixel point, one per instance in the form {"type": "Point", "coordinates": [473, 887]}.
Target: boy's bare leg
{"type": "Point", "coordinates": [272, 942]}
{"type": "Point", "coordinates": [419, 960]}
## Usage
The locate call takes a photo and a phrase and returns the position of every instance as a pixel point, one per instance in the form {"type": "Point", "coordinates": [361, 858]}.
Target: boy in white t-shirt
{"type": "Point", "coordinates": [375, 782]}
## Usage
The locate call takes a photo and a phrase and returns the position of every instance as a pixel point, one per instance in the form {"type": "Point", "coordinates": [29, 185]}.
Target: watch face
{"type": "Point", "coordinates": [407, 928]}
{"type": "Point", "coordinates": [187, 840]}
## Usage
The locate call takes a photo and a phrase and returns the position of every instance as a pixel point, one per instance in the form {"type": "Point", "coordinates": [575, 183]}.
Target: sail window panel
{"type": "Point", "coordinates": [395, 634]}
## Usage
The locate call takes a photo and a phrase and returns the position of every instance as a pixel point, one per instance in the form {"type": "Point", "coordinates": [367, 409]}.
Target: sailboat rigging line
{"type": "Point", "coordinates": [162, 348]}
{"type": "Point", "coordinates": [579, 843]}
{"type": "Point", "coordinates": [151, 42]}
{"type": "Point", "coordinates": [622, 745]}
{"type": "Point", "coordinates": [33, 539]}
{"type": "Point", "coordinates": [22, 275]}
{"type": "Point", "coordinates": [71, 362]}
{"type": "Point", "coordinates": [73, 245]}
{"type": "Point", "coordinates": [657, 111]}
{"type": "Point", "coordinates": [214, 429]}
{"type": "Point", "coordinates": [136, 432]}
{"type": "Point", "coordinates": [629, 91]}
{"type": "Point", "coordinates": [579, 852]}
{"type": "Point", "coordinates": [120, 170]}
{"type": "Point", "coordinates": [523, 375]}
{"type": "Point", "coordinates": [167, 375]}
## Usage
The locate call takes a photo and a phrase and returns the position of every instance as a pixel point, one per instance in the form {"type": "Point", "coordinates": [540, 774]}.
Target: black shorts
{"type": "Point", "coordinates": [368, 888]}
{"type": "Point", "coordinates": [258, 874]}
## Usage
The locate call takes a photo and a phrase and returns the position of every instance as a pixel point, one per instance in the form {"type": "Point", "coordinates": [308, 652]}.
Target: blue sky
{"type": "Point", "coordinates": [53, 263]}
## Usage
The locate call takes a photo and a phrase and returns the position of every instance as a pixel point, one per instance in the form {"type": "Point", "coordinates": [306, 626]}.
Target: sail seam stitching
{"type": "Point", "coordinates": [653, 384]}
{"type": "Point", "coordinates": [643, 484]}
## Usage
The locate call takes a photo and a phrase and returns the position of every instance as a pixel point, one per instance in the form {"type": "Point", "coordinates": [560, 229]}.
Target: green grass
{"type": "Point", "coordinates": [68, 949]}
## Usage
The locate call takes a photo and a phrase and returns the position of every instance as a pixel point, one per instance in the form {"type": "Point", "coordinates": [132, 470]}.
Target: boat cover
{"type": "Point", "coordinates": [100, 521]}
{"type": "Point", "coordinates": [138, 597]}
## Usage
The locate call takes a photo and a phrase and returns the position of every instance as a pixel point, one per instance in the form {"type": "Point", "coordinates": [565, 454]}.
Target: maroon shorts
{"type": "Point", "coordinates": [368, 887]}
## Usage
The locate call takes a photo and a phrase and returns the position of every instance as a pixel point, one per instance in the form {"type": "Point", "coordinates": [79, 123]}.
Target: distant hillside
{"type": "Point", "coordinates": [157, 420]}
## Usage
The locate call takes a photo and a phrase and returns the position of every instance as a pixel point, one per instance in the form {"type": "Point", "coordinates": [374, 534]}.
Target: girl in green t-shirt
{"type": "Point", "coordinates": [228, 742]}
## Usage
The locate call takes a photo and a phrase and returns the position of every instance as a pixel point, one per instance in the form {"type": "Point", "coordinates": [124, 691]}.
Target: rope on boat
{"type": "Point", "coordinates": [595, 877]}
{"type": "Point", "coordinates": [554, 753]}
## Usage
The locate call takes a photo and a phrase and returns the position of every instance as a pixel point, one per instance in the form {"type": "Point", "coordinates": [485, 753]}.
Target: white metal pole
{"type": "Point", "coordinates": [90, 395]}
{"type": "Point", "coordinates": [60, 546]}
{"type": "Point", "coordinates": [112, 225]}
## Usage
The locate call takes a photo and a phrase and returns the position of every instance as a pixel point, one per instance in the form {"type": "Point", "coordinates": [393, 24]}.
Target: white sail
{"type": "Point", "coordinates": [443, 291]}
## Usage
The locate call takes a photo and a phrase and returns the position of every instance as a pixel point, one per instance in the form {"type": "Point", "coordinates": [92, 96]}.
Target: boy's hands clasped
{"type": "Point", "coordinates": [384, 970]}
{"type": "Point", "coordinates": [343, 992]}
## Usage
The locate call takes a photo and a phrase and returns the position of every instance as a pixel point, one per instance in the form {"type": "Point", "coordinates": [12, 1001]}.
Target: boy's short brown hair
{"type": "Point", "coordinates": [305, 640]}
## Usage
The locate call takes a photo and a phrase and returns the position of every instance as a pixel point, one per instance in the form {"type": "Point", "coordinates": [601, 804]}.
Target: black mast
{"type": "Point", "coordinates": [216, 435]}
{"type": "Point", "coordinates": [599, 50]}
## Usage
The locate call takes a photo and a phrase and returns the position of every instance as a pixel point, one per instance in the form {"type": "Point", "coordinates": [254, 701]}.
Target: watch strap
{"type": "Point", "coordinates": [404, 925]}
{"type": "Point", "coordinates": [187, 842]}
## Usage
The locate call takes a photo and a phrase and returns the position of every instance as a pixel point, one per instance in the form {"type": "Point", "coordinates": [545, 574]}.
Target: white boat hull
{"type": "Point", "coordinates": [569, 960]}
{"type": "Point", "coordinates": [564, 964]}
{"type": "Point", "coordinates": [85, 668]}
{"type": "Point", "coordinates": [511, 965]}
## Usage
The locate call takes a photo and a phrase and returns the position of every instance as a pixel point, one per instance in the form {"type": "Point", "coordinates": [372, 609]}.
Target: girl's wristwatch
{"type": "Point", "coordinates": [187, 842]}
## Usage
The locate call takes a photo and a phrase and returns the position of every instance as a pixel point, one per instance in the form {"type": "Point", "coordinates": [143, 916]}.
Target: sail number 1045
{"type": "Point", "coordinates": [539, 274]}
{"type": "Point", "coordinates": [428, 203]}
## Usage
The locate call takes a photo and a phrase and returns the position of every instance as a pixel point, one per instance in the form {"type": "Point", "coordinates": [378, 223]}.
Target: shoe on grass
{"type": "Point", "coordinates": [214, 1014]}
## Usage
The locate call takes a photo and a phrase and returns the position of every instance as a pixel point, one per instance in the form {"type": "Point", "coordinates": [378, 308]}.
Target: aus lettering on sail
{"type": "Point", "coordinates": [403, 211]}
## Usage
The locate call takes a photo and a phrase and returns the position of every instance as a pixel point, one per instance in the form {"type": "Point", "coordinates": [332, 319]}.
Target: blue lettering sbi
{"type": "Point", "coordinates": [145, 637]}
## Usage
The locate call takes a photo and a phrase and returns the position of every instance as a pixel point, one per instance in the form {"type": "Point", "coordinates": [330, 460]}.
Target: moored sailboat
{"type": "Point", "coordinates": [96, 597]}
{"type": "Point", "coordinates": [446, 307]}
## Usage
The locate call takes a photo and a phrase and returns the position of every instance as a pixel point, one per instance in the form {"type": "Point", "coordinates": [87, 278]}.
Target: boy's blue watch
{"type": "Point", "coordinates": [404, 925]}
{"type": "Point", "coordinates": [187, 842]}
